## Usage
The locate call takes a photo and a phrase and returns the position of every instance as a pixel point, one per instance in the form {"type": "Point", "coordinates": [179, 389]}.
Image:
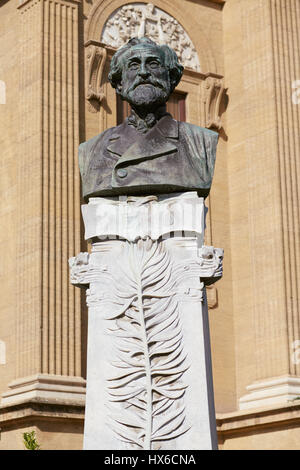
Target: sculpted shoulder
{"type": "Point", "coordinates": [202, 144]}
{"type": "Point", "coordinates": [86, 148]}
{"type": "Point", "coordinates": [88, 145]}
{"type": "Point", "coordinates": [194, 131]}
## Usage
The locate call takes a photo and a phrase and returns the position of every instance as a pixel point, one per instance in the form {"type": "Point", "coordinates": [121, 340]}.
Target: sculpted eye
{"type": "Point", "coordinates": [133, 65]}
{"type": "Point", "coordinates": [154, 64]}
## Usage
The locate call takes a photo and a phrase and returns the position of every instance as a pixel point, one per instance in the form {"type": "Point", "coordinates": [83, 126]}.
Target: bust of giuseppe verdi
{"type": "Point", "coordinates": [150, 152]}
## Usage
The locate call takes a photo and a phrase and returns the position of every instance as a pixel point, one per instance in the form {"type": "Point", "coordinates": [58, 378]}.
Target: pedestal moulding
{"type": "Point", "coordinates": [149, 367]}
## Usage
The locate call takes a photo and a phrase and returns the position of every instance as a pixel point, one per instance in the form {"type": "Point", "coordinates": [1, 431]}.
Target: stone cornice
{"type": "Point", "coordinates": [228, 424]}
{"type": "Point", "coordinates": [219, 2]}
{"type": "Point", "coordinates": [25, 2]}
{"type": "Point", "coordinates": [40, 409]}
{"type": "Point", "coordinates": [243, 422]}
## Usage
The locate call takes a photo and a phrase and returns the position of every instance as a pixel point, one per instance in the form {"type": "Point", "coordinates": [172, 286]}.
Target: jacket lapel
{"type": "Point", "coordinates": [168, 127]}
{"type": "Point", "coordinates": [123, 137]}
{"type": "Point", "coordinates": [160, 140]}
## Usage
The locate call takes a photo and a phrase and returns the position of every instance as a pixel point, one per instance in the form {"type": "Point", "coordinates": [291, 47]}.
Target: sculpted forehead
{"type": "Point", "coordinates": [143, 51]}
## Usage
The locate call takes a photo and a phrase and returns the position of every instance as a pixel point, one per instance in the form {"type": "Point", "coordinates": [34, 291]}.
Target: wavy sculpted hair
{"type": "Point", "coordinates": [170, 56]}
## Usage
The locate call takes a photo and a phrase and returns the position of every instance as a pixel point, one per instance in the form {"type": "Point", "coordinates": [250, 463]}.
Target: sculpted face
{"type": "Point", "coordinates": [145, 78]}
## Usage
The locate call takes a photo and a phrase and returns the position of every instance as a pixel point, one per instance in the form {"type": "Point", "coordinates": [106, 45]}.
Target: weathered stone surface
{"type": "Point", "coordinates": [149, 378]}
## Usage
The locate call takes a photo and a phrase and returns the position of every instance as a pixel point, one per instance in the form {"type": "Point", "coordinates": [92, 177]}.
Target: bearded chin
{"type": "Point", "coordinates": [146, 95]}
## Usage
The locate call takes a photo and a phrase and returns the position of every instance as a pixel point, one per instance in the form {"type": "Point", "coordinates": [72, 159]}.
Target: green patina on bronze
{"type": "Point", "coordinates": [150, 152]}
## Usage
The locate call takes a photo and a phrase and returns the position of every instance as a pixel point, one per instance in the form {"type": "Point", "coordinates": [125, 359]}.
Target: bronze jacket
{"type": "Point", "coordinates": [173, 156]}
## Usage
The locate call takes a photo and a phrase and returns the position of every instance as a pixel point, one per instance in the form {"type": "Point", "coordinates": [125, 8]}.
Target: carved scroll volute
{"type": "Point", "coordinates": [96, 59]}
{"type": "Point", "coordinates": [213, 95]}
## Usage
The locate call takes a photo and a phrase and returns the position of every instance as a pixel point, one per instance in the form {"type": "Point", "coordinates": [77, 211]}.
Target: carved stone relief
{"type": "Point", "coordinates": [141, 19]}
{"type": "Point", "coordinates": [147, 370]}
{"type": "Point", "coordinates": [138, 295]}
{"type": "Point", "coordinates": [145, 405]}
{"type": "Point", "coordinates": [212, 96]}
{"type": "Point", "coordinates": [96, 58]}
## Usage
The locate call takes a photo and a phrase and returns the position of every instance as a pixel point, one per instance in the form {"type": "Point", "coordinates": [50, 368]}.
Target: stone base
{"type": "Point", "coordinates": [46, 387]}
{"type": "Point", "coordinates": [58, 424]}
{"type": "Point", "coordinates": [277, 390]}
{"type": "Point", "coordinates": [149, 378]}
{"type": "Point", "coordinates": [193, 363]}
{"type": "Point", "coordinates": [273, 428]}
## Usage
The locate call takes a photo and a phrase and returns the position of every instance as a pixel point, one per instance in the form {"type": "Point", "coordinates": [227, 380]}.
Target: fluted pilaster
{"type": "Point", "coordinates": [285, 23]}
{"type": "Point", "coordinates": [48, 315]}
{"type": "Point", "coordinates": [60, 353]}
{"type": "Point", "coordinates": [270, 354]}
{"type": "Point", "coordinates": [29, 249]}
{"type": "Point", "coordinates": [268, 140]}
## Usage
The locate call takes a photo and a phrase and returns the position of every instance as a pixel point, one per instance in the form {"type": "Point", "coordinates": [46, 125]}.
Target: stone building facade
{"type": "Point", "coordinates": [242, 78]}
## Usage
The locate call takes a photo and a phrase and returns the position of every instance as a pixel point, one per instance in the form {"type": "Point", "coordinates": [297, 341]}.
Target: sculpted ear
{"type": "Point", "coordinates": [175, 68]}
{"type": "Point", "coordinates": [119, 87]}
{"type": "Point", "coordinates": [175, 75]}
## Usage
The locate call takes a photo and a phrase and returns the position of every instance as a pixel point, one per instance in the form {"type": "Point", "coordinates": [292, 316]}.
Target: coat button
{"type": "Point", "coordinates": [121, 172]}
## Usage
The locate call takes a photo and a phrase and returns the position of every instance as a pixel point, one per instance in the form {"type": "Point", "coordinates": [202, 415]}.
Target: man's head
{"type": "Point", "coordinates": [144, 73]}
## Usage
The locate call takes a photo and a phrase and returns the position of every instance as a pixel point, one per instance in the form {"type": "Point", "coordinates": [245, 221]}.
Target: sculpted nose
{"type": "Point", "coordinates": [143, 72]}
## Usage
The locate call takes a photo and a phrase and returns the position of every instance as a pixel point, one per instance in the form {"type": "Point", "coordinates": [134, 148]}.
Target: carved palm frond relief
{"type": "Point", "coordinates": [146, 392]}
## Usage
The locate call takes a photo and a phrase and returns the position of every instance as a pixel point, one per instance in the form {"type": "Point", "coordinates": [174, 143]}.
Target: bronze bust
{"type": "Point", "coordinates": [150, 152]}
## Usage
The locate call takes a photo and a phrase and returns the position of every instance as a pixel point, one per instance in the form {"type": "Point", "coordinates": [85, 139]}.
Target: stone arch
{"type": "Point", "coordinates": [145, 19]}
{"type": "Point", "coordinates": [104, 9]}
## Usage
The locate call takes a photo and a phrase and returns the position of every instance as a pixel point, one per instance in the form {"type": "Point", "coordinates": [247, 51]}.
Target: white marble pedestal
{"type": "Point", "coordinates": [149, 378]}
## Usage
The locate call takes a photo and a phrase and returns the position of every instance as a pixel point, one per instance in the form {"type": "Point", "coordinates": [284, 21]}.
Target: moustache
{"type": "Point", "coordinates": [154, 83]}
